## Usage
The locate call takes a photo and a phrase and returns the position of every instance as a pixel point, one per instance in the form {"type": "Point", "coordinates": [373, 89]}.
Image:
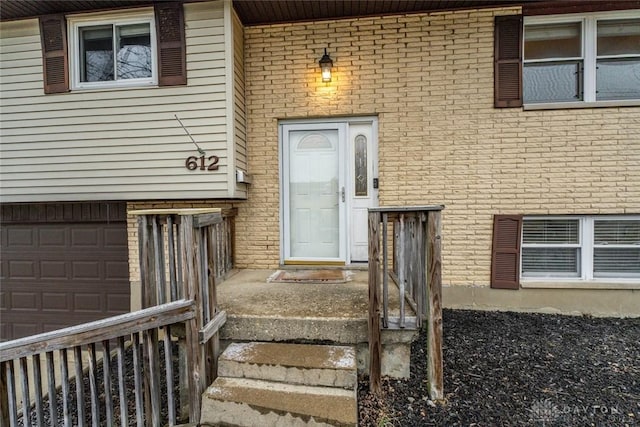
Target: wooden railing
{"type": "Point", "coordinates": [182, 253]}
{"type": "Point", "coordinates": [193, 247]}
{"type": "Point", "coordinates": [415, 268]}
{"type": "Point", "coordinates": [162, 249]}
{"type": "Point", "coordinates": [106, 401]}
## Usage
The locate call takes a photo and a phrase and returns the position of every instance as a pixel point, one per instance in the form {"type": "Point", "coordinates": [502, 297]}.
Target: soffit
{"type": "Point", "coordinates": [279, 11]}
{"type": "Point", "coordinates": [259, 12]}
{"type": "Point", "coordinates": [17, 9]}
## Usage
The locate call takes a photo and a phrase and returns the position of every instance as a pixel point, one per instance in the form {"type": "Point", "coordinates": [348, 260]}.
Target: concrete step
{"type": "Point", "coordinates": [316, 365]}
{"type": "Point", "coordinates": [396, 344]}
{"type": "Point", "coordinates": [250, 402]}
{"type": "Point", "coordinates": [254, 327]}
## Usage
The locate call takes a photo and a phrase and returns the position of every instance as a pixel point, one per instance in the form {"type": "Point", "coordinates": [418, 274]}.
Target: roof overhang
{"type": "Point", "coordinates": [253, 12]}
{"type": "Point", "coordinates": [278, 11]}
{"type": "Point", "coordinates": [256, 12]}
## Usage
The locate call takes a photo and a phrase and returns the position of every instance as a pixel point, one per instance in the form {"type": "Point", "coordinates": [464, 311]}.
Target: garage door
{"type": "Point", "coordinates": [62, 265]}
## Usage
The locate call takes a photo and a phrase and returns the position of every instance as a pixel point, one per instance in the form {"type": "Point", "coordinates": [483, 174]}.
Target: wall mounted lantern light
{"type": "Point", "coordinates": [325, 65]}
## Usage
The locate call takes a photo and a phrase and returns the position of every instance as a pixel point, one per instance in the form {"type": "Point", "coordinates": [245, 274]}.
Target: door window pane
{"type": "Point", "coordinates": [361, 178]}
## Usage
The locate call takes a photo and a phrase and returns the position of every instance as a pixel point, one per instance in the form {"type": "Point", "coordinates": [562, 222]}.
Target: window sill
{"type": "Point", "coordinates": [112, 88]}
{"type": "Point", "coordinates": [591, 284]}
{"type": "Point", "coordinates": [581, 104]}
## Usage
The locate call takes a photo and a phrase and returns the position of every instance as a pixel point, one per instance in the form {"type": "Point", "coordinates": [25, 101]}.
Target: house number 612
{"type": "Point", "coordinates": [211, 164]}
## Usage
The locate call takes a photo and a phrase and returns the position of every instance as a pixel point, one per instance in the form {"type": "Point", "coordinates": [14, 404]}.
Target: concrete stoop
{"type": "Point", "coordinates": [274, 384]}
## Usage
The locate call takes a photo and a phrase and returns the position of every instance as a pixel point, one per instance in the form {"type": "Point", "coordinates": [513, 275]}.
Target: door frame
{"type": "Point", "coordinates": [344, 152]}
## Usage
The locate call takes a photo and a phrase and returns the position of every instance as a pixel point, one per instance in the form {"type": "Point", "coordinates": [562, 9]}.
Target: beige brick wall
{"type": "Point", "coordinates": [429, 78]}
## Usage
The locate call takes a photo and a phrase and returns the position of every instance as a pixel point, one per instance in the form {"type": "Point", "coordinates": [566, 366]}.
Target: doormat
{"type": "Point", "coordinates": [310, 276]}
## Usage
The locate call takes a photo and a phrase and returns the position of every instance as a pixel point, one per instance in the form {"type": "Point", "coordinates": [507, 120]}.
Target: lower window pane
{"type": "Point", "coordinates": [551, 82]}
{"type": "Point", "coordinates": [550, 262]}
{"type": "Point", "coordinates": [618, 79]}
{"type": "Point", "coordinates": [616, 262]}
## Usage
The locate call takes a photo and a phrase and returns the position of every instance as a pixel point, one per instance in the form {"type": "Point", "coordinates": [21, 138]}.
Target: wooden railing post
{"type": "Point", "coordinates": [421, 290]}
{"type": "Point", "coordinates": [191, 270]}
{"type": "Point", "coordinates": [434, 302]}
{"type": "Point", "coordinates": [385, 271]}
{"type": "Point", "coordinates": [4, 396]}
{"type": "Point", "coordinates": [158, 258]}
{"type": "Point", "coordinates": [402, 266]}
{"type": "Point", "coordinates": [145, 253]}
{"type": "Point", "coordinates": [213, 262]}
{"type": "Point", "coordinates": [11, 391]}
{"type": "Point", "coordinates": [375, 343]}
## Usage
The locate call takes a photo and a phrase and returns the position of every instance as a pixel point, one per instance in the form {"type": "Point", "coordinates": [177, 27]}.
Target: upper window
{"type": "Point", "coordinates": [586, 58]}
{"type": "Point", "coordinates": [586, 247]}
{"type": "Point", "coordinates": [113, 53]}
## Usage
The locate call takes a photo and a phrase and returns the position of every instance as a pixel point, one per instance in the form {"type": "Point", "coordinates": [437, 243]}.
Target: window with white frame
{"type": "Point", "coordinates": [583, 248]}
{"type": "Point", "coordinates": [582, 58]}
{"type": "Point", "coordinates": [112, 51]}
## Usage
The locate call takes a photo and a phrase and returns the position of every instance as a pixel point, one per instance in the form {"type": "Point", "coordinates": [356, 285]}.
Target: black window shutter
{"type": "Point", "coordinates": [507, 61]}
{"type": "Point", "coordinates": [505, 253]}
{"type": "Point", "coordinates": [53, 34]}
{"type": "Point", "coordinates": [172, 64]}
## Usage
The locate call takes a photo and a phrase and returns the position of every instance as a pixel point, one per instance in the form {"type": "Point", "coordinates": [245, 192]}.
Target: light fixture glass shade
{"type": "Point", "coordinates": [326, 73]}
{"type": "Point", "coordinates": [325, 66]}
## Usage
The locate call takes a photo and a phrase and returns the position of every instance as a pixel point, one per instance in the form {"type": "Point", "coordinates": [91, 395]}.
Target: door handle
{"type": "Point", "coordinates": [342, 192]}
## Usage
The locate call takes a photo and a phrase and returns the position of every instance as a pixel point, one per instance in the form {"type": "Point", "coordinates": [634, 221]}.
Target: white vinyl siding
{"type": "Point", "coordinates": [237, 133]}
{"type": "Point", "coordinates": [116, 144]}
{"type": "Point", "coordinates": [239, 96]}
{"type": "Point", "coordinates": [586, 248]}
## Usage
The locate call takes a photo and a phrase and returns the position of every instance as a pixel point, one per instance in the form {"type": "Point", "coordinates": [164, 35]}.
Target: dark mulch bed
{"type": "Point", "coordinates": [519, 369]}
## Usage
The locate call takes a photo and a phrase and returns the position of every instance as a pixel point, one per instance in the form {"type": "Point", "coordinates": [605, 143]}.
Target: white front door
{"type": "Point", "coordinates": [314, 180]}
{"type": "Point", "coordinates": [327, 185]}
